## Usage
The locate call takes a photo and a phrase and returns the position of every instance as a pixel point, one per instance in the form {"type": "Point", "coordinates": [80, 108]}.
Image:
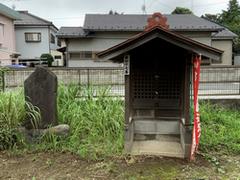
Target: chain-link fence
{"type": "Point", "coordinates": [111, 78]}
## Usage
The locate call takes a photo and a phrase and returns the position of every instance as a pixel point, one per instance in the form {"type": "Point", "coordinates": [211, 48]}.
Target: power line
{"type": "Point", "coordinates": [163, 4]}
{"type": "Point", "coordinates": [210, 4]}
{"type": "Point", "coordinates": [144, 7]}
{"type": "Point", "coordinates": [69, 17]}
{"type": "Point", "coordinates": [152, 2]}
{"type": "Point", "coordinates": [193, 5]}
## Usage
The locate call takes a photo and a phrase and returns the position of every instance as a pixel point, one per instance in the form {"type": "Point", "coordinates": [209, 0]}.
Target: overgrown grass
{"type": "Point", "coordinates": [96, 124]}
{"type": "Point", "coordinates": [220, 129]}
{"type": "Point", "coordinates": [12, 113]}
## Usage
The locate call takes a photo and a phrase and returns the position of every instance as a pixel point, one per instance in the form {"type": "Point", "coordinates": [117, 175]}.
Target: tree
{"type": "Point", "coordinates": [47, 58]}
{"type": "Point", "coordinates": [231, 19]}
{"type": "Point", "coordinates": [110, 12]}
{"type": "Point", "coordinates": [182, 10]}
{"type": "Point", "coordinates": [211, 17]}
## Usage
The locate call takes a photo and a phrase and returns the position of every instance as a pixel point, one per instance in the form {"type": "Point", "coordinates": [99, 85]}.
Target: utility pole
{"type": "Point", "coordinates": [192, 5]}
{"type": "Point", "coordinates": [13, 3]}
{"type": "Point", "coordinates": [144, 7]}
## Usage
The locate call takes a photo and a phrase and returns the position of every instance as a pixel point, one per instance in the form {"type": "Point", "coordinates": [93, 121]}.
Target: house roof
{"type": "Point", "coordinates": [69, 32]}
{"type": "Point", "coordinates": [122, 22]}
{"type": "Point", "coordinates": [137, 23]}
{"type": "Point", "coordinates": [8, 12]}
{"type": "Point", "coordinates": [28, 19]}
{"type": "Point", "coordinates": [158, 32]}
{"type": "Point", "coordinates": [224, 34]}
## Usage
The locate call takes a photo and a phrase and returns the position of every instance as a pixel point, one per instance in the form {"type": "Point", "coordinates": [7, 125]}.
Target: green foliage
{"type": "Point", "coordinates": [12, 114]}
{"type": "Point", "coordinates": [182, 10]}
{"type": "Point", "coordinates": [47, 58]}
{"type": "Point", "coordinates": [220, 129]}
{"type": "Point", "coordinates": [211, 17]}
{"type": "Point", "coordinates": [230, 19]}
{"type": "Point", "coordinates": [96, 124]}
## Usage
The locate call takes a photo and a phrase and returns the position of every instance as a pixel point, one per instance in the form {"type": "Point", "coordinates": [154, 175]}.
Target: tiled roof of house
{"type": "Point", "coordinates": [121, 22]}
{"type": "Point", "coordinates": [186, 43]}
{"type": "Point", "coordinates": [223, 34]}
{"type": "Point", "coordinates": [106, 22]}
{"type": "Point", "coordinates": [30, 19]}
{"type": "Point", "coordinates": [71, 32]}
{"type": "Point", "coordinates": [8, 12]}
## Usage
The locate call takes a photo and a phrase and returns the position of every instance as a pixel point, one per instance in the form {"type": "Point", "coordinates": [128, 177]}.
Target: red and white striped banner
{"type": "Point", "coordinates": [196, 118]}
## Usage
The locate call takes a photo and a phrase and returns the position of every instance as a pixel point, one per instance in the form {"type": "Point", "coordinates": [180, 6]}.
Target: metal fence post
{"type": "Point", "coordinates": [239, 84]}
{"type": "Point", "coordinates": [79, 82]}
{"type": "Point", "coordinates": [88, 78]}
{"type": "Point", "coordinates": [2, 81]}
{"type": "Point", "coordinates": [79, 78]}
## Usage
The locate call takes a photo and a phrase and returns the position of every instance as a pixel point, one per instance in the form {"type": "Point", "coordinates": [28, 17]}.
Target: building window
{"type": "Point", "coordinates": [57, 57]}
{"type": "Point", "coordinates": [52, 39]}
{"type": "Point", "coordinates": [1, 33]}
{"type": "Point", "coordinates": [82, 55]}
{"type": "Point", "coordinates": [33, 37]}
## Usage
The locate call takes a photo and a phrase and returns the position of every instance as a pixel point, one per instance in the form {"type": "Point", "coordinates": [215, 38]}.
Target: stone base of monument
{"type": "Point", "coordinates": [34, 135]}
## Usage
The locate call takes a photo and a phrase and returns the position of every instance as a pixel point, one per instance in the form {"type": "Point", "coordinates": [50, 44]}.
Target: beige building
{"type": "Point", "coordinates": [102, 31]}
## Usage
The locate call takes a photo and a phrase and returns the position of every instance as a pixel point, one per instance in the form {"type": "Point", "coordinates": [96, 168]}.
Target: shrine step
{"type": "Point", "coordinates": [159, 137]}
{"type": "Point", "coordinates": [149, 126]}
{"type": "Point", "coordinates": [158, 148]}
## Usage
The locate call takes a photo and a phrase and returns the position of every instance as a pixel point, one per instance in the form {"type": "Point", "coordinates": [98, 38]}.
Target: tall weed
{"type": "Point", "coordinates": [96, 124]}
{"type": "Point", "coordinates": [220, 129]}
{"type": "Point", "coordinates": [12, 115]}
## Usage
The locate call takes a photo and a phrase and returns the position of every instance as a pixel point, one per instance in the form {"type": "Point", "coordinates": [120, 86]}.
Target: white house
{"type": "Point", "coordinates": [35, 36]}
{"type": "Point", "coordinates": [102, 31]}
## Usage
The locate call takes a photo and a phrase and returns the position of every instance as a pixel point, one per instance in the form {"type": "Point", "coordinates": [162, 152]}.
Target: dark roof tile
{"type": "Point", "coordinates": [71, 32]}
{"type": "Point", "coordinates": [224, 34]}
{"type": "Point", "coordinates": [138, 22]}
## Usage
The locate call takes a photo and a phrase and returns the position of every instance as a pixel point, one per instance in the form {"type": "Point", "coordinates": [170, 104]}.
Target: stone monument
{"type": "Point", "coordinates": [40, 90]}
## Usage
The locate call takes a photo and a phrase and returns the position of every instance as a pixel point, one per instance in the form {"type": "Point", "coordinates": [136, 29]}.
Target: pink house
{"type": "Point", "coordinates": [8, 54]}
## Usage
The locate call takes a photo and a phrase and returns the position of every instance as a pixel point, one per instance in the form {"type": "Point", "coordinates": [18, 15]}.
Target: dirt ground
{"type": "Point", "coordinates": [65, 166]}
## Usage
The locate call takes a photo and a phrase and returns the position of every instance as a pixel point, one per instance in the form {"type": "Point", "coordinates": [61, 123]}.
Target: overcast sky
{"type": "Point", "coordinates": [71, 12]}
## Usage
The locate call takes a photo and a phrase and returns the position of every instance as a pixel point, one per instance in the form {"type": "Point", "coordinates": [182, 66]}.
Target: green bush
{"type": "Point", "coordinates": [47, 58]}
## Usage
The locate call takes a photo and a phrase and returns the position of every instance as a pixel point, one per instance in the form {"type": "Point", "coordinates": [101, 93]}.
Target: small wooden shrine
{"type": "Point", "coordinates": [158, 65]}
